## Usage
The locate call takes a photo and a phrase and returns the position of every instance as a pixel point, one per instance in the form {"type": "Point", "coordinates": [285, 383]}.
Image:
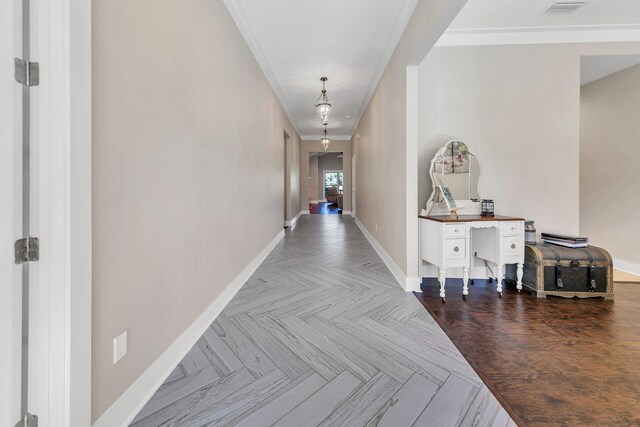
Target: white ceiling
{"type": "Point", "coordinates": [598, 66]}
{"type": "Point", "coordinates": [525, 21]}
{"type": "Point", "coordinates": [298, 41]}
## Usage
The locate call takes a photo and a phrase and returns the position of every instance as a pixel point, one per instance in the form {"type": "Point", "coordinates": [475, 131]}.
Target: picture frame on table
{"type": "Point", "coordinates": [449, 200]}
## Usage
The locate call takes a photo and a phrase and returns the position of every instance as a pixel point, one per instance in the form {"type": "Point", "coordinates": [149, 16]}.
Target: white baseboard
{"type": "Point", "coordinates": [313, 202]}
{"type": "Point", "coordinates": [626, 266]}
{"type": "Point", "coordinates": [346, 212]}
{"type": "Point", "coordinates": [409, 284]}
{"type": "Point", "coordinates": [291, 223]}
{"type": "Point", "coordinates": [307, 212]}
{"type": "Point", "coordinates": [124, 410]}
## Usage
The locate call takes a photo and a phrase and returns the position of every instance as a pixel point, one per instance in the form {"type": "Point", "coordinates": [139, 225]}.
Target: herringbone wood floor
{"type": "Point", "coordinates": [323, 335]}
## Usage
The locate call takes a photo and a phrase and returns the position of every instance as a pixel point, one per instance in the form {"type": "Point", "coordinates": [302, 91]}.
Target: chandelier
{"type": "Point", "coordinates": [322, 103]}
{"type": "Point", "coordinates": [325, 139]}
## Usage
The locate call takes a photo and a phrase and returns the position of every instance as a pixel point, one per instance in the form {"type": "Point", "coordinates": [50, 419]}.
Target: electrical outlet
{"type": "Point", "coordinates": [119, 347]}
{"type": "Point", "coordinates": [376, 227]}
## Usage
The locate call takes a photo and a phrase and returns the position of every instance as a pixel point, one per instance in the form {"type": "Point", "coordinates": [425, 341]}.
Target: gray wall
{"type": "Point", "coordinates": [610, 163]}
{"type": "Point", "coordinates": [188, 174]}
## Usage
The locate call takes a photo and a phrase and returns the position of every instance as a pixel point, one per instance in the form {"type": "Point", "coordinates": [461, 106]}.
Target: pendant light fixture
{"type": "Point", "coordinates": [325, 139]}
{"type": "Point", "coordinates": [322, 104]}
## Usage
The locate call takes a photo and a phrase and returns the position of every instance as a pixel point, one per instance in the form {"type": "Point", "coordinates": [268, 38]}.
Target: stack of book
{"type": "Point", "coordinates": [568, 241]}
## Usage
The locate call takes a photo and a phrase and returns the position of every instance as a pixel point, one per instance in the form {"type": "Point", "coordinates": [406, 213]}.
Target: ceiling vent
{"type": "Point", "coordinates": [565, 6]}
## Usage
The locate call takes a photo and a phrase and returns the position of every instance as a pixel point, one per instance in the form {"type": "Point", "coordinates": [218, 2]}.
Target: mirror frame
{"type": "Point", "coordinates": [468, 207]}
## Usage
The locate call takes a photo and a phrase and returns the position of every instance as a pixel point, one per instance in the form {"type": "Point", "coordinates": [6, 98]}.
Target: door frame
{"type": "Point", "coordinates": [353, 184]}
{"type": "Point", "coordinates": [10, 214]}
{"type": "Point", "coordinates": [61, 141]}
{"type": "Point", "coordinates": [287, 179]}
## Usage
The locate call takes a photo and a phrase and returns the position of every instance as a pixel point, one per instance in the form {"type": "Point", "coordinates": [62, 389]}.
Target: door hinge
{"type": "Point", "coordinates": [27, 249]}
{"type": "Point", "coordinates": [27, 72]}
{"type": "Point", "coordinates": [30, 420]}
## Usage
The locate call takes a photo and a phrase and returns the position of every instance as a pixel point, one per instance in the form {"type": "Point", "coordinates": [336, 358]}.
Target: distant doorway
{"type": "Point", "coordinates": [326, 183]}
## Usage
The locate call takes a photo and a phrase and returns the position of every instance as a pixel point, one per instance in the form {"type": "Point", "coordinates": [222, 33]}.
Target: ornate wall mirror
{"type": "Point", "coordinates": [457, 168]}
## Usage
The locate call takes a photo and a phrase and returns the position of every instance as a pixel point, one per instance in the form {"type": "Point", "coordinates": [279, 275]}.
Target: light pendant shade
{"type": "Point", "coordinates": [325, 139]}
{"type": "Point", "coordinates": [323, 107]}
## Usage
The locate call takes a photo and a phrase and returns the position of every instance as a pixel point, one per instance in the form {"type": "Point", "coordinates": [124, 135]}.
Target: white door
{"type": "Point", "coordinates": [15, 129]}
{"type": "Point", "coordinates": [10, 214]}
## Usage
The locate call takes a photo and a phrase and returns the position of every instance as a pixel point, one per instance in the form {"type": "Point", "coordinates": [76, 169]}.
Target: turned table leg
{"type": "Point", "coordinates": [465, 281]}
{"type": "Point", "coordinates": [519, 273]}
{"type": "Point", "coordinates": [441, 279]}
{"type": "Point", "coordinates": [499, 279]}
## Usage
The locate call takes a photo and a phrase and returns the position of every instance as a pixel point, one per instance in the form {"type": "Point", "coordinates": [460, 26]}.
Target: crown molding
{"type": "Point", "coordinates": [540, 35]}
{"type": "Point", "coordinates": [239, 16]}
{"type": "Point", "coordinates": [312, 138]}
{"type": "Point", "coordinates": [400, 23]}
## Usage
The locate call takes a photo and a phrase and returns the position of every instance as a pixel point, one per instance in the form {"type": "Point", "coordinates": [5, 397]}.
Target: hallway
{"type": "Point", "coordinates": [322, 335]}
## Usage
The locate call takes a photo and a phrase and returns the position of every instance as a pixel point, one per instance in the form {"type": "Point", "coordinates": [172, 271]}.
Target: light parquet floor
{"type": "Point", "coordinates": [322, 335]}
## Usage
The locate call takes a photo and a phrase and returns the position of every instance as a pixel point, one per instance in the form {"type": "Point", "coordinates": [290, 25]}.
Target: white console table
{"type": "Point", "coordinates": [446, 242]}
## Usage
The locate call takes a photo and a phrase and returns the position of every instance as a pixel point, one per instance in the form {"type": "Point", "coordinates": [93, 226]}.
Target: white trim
{"type": "Point", "coordinates": [346, 212]}
{"type": "Point", "coordinates": [61, 214]}
{"type": "Point", "coordinates": [626, 266]}
{"type": "Point", "coordinates": [240, 17]}
{"type": "Point", "coordinates": [411, 170]}
{"type": "Point", "coordinates": [316, 137]}
{"type": "Point", "coordinates": [125, 409]}
{"type": "Point", "coordinates": [401, 22]}
{"type": "Point", "coordinates": [307, 212]}
{"type": "Point", "coordinates": [409, 284]}
{"type": "Point", "coordinates": [313, 202]}
{"type": "Point", "coordinates": [292, 222]}
{"type": "Point", "coordinates": [10, 214]}
{"type": "Point", "coordinates": [540, 35]}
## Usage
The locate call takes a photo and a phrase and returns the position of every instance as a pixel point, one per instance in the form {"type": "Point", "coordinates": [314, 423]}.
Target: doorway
{"type": "Point", "coordinates": [326, 183]}
{"type": "Point", "coordinates": [609, 102]}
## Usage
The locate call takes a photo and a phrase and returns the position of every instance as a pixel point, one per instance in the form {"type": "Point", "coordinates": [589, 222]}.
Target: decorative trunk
{"type": "Point", "coordinates": [567, 272]}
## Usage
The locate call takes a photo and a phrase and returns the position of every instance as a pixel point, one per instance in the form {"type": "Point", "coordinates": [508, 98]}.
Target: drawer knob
{"type": "Point", "coordinates": [513, 246]}
{"type": "Point", "coordinates": [456, 249]}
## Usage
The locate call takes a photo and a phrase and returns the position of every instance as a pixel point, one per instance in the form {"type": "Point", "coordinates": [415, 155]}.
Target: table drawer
{"type": "Point", "coordinates": [455, 231]}
{"type": "Point", "coordinates": [455, 248]}
{"type": "Point", "coordinates": [513, 246]}
{"type": "Point", "coordinates": [512, 228]}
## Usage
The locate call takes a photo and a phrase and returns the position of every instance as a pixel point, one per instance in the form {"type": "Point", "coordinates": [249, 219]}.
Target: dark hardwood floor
{"type": "Point", "coordinates": [323, 208]}
{"type": "Point", "coordinates": [569, 362]}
